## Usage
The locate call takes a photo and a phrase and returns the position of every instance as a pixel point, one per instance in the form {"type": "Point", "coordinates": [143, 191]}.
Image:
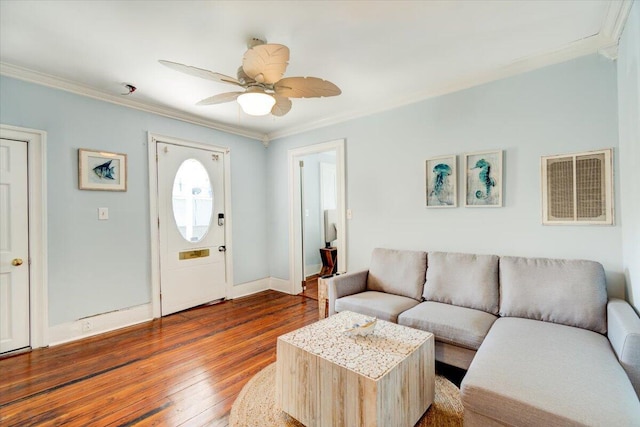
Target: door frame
{"type": "Point", "coordinates": [154, 213]}
{"type": "Point", "coordinates": [36, 141]}
{"type": "Point", "coordinates": [295, 254]}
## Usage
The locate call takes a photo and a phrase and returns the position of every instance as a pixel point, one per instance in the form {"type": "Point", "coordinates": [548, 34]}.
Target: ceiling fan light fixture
{"type": "Point", "coordinates": [256, 103]}
{"type": "Point", "coordinates": [261, 75]}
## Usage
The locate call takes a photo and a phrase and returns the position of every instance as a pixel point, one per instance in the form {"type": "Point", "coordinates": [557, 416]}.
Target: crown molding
{"type": "Point", "coordinates": [613, 26]}
{"type": "Point", "coordinates": [37, 77]}
{"type": "Point", "coordinates": [615, 19]}
{"type": "Point", "coordinates": [609, 51]}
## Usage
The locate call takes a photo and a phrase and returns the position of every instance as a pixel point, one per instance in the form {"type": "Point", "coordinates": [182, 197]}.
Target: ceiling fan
{"type": "Point", "coordinates": [261, 77]}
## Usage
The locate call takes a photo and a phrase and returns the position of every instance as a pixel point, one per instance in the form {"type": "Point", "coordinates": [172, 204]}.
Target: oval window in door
{"type": "Point", "coordinates": [192, 200]}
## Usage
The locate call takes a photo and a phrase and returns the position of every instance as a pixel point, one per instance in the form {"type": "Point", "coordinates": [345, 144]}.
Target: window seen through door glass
{"type": "Point", "coordinates": [192, 200]}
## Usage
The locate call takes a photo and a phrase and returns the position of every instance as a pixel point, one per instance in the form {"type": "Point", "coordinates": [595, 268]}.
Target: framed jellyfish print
{"type": "Point", "coordinates": [101, 170]}
{"type": "Point", "coordinates": [483, 179]}
{"type": "Point", "coordinates": [441, 183]}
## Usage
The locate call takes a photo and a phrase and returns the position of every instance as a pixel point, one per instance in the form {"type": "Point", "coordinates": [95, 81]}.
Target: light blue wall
{"type": "Point", "coordinates": [100, 266]}
{"type": "Point", "coordinates": [562, 108]}
{"type": "Point", "coordinates": [629, 122]}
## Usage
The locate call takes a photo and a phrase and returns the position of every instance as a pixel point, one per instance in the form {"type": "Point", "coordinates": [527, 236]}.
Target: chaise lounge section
{"type": "Point", "coordinates": [541, 343]}
{"type": "Point", "coordinates": [547, 360]}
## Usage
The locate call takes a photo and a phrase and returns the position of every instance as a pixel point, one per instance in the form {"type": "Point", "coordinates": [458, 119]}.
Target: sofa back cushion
{"type": "Point", "coordinates": [397, 272]}
{"type": "Point", "coordinates": [568, 292]}
{"type": "Point", "coordinates": [465, 280]}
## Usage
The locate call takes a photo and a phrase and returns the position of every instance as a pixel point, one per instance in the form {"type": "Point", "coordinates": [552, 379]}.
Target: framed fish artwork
{"type": "Point", "coordinates": [483, 179]}
{"type": "Point", "coordinates": [101, 170]}
{"type": "Point", "coordinates": [441, 182]}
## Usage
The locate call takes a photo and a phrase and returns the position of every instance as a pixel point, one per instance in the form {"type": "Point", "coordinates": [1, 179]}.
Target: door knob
{"type": "Point", "coordinates": [16, 262]}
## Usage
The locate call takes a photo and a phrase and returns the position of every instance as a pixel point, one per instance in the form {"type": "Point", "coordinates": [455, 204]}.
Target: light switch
{"type": "Point", "coordinates": [349, 214]}
{"type": "Point", "coordinates": [103, 213]}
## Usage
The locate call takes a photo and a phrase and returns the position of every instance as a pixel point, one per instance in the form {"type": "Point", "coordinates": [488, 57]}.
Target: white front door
{"type": "Point", "coordinates": [191, 206]}
{"type": "Point", "coordinates": [14, 246]}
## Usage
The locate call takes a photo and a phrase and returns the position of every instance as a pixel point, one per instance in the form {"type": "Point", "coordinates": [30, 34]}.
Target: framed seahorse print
{"type": "Point", "coordinates": [483, 179]}
{"type": "Point", "coordinates": [441, 182]}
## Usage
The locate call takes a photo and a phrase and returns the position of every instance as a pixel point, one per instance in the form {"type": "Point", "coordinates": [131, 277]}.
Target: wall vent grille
{"type": "Point", "coordinates": [578, 188]}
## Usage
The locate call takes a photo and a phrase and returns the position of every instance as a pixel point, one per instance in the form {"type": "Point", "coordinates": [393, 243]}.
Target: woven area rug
{"type": "Point", "coordinates": [256, 406]}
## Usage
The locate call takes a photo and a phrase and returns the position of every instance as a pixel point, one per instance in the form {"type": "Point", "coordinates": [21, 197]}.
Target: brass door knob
{"type": "Point", "coordinates": [16, 262]}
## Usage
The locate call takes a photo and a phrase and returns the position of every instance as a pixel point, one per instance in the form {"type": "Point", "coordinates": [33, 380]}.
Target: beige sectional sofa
{"type": "Point", "coordinates": [541, 343]}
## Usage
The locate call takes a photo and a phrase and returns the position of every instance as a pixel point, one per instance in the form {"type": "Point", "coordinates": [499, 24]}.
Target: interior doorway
{"type": "Point", "coordinates": [23, 288]}
{"type": "Point", "coordinates": [317, 234]}
{"type": "Point", "coordinates": [14, 246]}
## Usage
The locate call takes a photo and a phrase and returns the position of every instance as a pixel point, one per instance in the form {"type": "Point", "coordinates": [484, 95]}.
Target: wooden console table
{"type": "Point", "coordinates": [329, 258]}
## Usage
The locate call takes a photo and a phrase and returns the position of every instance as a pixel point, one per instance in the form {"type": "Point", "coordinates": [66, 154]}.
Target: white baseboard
{"type": "Point", "coordinates": [99, 324]}
{"type": "Point", "coordinates": [249, 288]}
{"type": "Point", "coordinates": [280, 285]}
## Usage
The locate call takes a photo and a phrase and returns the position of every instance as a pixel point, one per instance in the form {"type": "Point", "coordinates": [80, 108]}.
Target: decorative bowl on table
{"type": "Point", "coordinates": [361, 328]}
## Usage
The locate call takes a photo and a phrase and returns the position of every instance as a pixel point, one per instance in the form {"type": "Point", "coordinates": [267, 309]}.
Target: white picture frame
{"type": "Point", "coordinates": [483, 183]}
{"type": "Point", "coordinates": [441, 183]}
{"type": "Point", "coordinates": [102, 170]}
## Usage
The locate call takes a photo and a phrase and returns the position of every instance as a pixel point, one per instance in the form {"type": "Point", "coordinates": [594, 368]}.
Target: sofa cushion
{"type": "Point", "coordinates": [569, 292]}
{"type": "Point", "coordinates": [377, 304]}
{"type": "Point", "coordinates": [466, 280]}
{"type": "Point", "coordinates": [397, 272]}
{"type": "Point", "coordinates": [451, 324]}
{"type": "Point", "coordinates": [528, 372]}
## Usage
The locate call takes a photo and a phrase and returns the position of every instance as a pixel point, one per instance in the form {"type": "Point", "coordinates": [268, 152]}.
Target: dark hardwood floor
{"type": "Point", "coordinates": [183, 369]}
{"type": "Point", "coordinates": [311, 290]}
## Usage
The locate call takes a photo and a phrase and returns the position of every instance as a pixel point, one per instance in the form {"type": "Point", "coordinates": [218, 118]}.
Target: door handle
{"type": "Point", "coordinates": [222, 248]}
{"type": "Point", "coordinates": [16, 262]}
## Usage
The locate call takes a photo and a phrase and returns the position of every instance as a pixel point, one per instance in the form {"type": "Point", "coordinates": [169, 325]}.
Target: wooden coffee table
{"type": "Point", "coordinates": [327, 378]}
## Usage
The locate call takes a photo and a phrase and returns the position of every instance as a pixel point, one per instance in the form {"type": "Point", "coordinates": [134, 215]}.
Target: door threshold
{"type": "Point", "coordinates": [215, 301]}
{"type": "Point", "coordinates": [17, 352]}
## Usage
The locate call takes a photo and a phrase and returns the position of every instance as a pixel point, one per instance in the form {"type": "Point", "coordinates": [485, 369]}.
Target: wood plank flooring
{"type": "Point", "coordinates": [182, 370]}
{"type": "Point", "coordinates": [311, 290]}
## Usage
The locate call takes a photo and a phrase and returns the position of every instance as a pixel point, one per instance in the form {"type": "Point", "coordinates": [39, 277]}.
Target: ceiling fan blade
{"type": "Point", "coordinates": [282, 105]}
{"type": "Point", "coordinates": [305, 87]}
{"type": "Point", "coordinates": [200, 72]}
{"type": "Point", "coordinates": [220, 98]}
{"type": "Point", "coordinates": [266, 63]}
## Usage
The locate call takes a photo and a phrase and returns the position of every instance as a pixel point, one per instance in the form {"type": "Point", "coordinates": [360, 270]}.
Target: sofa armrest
{"type": "Point", "coordinates": [624, 335]}
{"type": "Point", "coordinates": [345, 284]}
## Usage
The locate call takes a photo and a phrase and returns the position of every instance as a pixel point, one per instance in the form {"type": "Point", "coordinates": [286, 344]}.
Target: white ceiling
{"type": "Point", "coordinates": [382, 54]}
